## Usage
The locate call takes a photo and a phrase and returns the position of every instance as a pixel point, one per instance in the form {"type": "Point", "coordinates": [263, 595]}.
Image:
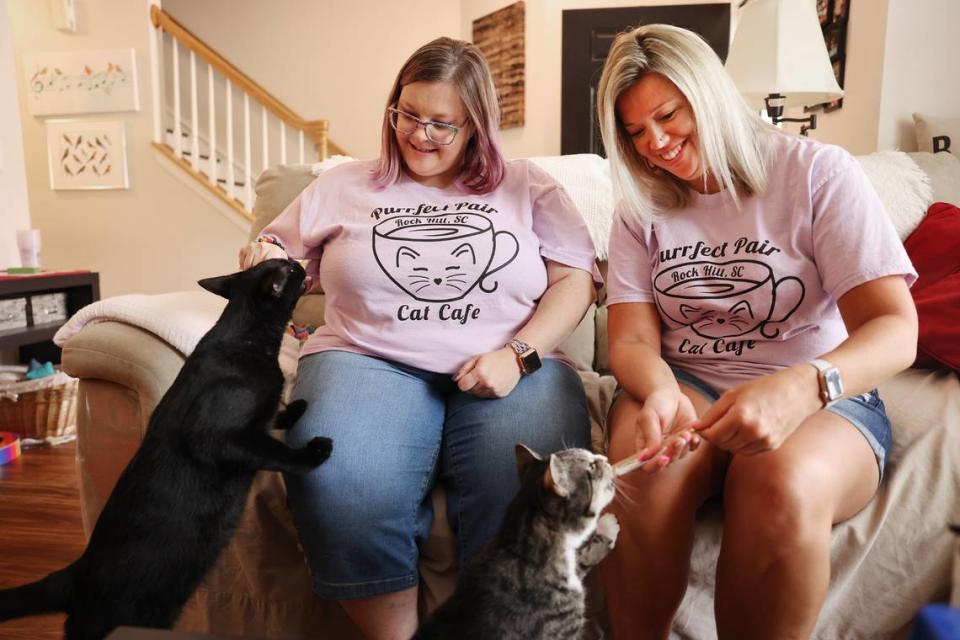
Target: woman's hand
{"type": "Point", "coordinates": [256, 252]}
{"type": "Point", "coordinates": [662, 429]}
{"type": "Point", "coordinates": [489, 375]}
{"type": "Point", "coordinates": [759, 415]}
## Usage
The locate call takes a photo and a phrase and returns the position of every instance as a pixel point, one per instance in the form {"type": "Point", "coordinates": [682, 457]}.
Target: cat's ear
{"type": "Point", "coordinates": [557, 478]}
{"type": "Point", "coordinates": [220, 285]}
{"type": "Point", "coordinates": [526, 455]}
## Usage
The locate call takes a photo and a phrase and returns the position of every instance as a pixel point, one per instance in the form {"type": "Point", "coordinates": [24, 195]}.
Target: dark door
{"type": "Point", "coordinates": [587, 36]}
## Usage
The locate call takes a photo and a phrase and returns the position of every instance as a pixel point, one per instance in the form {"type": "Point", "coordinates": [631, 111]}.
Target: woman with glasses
{"type": "Point", "coordinates": [756, 282]}
{"type": "Point", "coordinates": [451, 275]}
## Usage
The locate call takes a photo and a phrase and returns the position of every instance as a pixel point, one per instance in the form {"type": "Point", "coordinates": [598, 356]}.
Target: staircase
{"type": "Point", "coordinates": [226, 133]}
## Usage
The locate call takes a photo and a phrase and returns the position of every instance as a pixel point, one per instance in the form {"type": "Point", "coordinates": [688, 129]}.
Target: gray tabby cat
{"type": "Point", "coordinates": [528, 581]}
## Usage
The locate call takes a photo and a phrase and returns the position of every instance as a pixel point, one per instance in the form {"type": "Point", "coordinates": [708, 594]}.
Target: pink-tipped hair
{"type": "Point", "coordinates": [462, 64]}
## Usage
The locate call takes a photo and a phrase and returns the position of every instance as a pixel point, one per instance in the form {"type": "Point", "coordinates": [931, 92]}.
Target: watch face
{"type": "Point", "coordinates": [834, 386]}
{"type": "Point", "coordinates": [530, 360]}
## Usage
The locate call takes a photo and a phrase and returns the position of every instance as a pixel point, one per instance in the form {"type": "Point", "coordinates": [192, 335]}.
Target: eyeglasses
{"type": "Point", "coordinates": [437, 132]}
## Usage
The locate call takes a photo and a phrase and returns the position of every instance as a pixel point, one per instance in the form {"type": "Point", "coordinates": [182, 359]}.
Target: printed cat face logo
{"type": "Point", "coordinates": [441, 260]}
{"type": "Point", "coordinates": [433, 275]}
{"type": "Point", "coordinates": [720, 323]}
{"type": "Point", "coordinates": [726, 299]}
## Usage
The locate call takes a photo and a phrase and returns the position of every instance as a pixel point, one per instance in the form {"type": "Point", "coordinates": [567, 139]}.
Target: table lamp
{"type": "Point", "coordinates": [779, 59]}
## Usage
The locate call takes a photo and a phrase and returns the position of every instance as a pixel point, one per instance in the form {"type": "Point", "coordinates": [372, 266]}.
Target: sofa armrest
{"type": "Point", "coordinates": [123, 372]}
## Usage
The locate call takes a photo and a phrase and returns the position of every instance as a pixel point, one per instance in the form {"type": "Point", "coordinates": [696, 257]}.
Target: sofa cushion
{"type": "Point", "coordinates": [935, 134]}
{"type": "Point", "coordinates": [934, 249]}
{"type": "Point", "coordinates": [275, 189]}
{"type": "Point", "coordinates": [944, 172]}
{"type": "Point", "coordinates": [586, 179]}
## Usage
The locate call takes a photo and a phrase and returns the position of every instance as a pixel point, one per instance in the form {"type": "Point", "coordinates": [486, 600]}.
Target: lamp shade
{"type": "Point", "coordinates": [778, 48]}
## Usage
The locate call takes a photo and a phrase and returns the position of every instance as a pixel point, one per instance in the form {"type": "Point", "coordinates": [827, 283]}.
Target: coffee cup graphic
{"type": "Point", "coordinates": [442, 258]}
{"type": "Point", "coordinates": [726, 299]}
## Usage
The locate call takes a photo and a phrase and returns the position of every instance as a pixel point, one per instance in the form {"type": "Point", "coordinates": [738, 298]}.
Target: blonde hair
{"type": "Point", "coordinates": [730, 135]}
{"type": "Point", "coordinates": [463, 65]}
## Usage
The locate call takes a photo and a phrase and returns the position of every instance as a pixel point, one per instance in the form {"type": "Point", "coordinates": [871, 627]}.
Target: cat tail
{"type": "Point", "coordinates": [49, 595]}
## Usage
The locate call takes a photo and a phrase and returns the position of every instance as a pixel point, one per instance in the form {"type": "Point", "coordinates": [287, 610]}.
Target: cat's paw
{"type": "Point", "coordinates": [319, 449]}
{"type": "Point", "coordinates": [609, 528]}
{"type": "Point", "coordinates": [289, 416]}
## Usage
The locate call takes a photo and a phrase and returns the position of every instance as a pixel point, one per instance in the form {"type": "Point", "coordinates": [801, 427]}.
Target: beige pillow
{"type": "Point", "coordinates": [579, 346]}
{"type": "Point", "coordinates": [944, 172]}
{"type": "Point", "coordinates": [935, 134]}
{"type": "Point", "coordinates": [276, 188]}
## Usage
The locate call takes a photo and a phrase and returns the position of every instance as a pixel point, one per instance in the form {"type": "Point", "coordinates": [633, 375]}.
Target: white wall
{"type": "Point", "coordinates": [921, 71]}
{"type": "Point", "coordinates": [156, 236]}
{"type": "Point", "coordinates": [14, 206]}
{"type": "Point", "coordinates": [324, 60]}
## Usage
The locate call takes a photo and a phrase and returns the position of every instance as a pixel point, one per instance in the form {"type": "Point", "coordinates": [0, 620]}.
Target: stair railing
{"type": "Point", "coordinates": [185, 140]}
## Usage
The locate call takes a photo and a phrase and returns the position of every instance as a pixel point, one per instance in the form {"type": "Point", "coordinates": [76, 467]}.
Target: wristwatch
{"type": "Point", "coordinates": [527, 356]}
{"type": "Point", "coordinates": [831, 386]}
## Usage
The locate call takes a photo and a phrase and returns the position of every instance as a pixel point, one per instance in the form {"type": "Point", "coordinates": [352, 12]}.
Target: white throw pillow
{"type": "Point", "coordinates": [935, 134]}
{"type": "Point", "coordinates": [902, 186]}
{"type": "Point", "coordinates": [586, 178]}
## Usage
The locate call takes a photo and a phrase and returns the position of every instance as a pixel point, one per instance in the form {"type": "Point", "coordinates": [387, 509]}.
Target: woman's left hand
{"type": "Point", "coordinates": [759, 415]}
{"type": "Point", "coordinates": [489, 375]}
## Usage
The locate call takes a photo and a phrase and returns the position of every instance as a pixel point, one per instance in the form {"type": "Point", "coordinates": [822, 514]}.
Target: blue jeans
{"type": "Point", "coordinates": [396, 430]}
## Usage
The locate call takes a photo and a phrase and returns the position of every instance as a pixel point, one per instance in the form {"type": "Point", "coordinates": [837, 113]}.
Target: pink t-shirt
{"type": "Point", "coordinates": [430, 277]}
{"type": "Point", "coordinates": [743, 293]}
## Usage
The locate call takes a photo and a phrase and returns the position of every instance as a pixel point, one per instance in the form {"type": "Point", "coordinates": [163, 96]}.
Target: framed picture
{"type": "Point", "coordinates": [833, 15]}
{"type": "Point", "coordinates": [823, 11]}
{"type": "Point", "coordinates": [500, 36]}
{"type": "Point", "coordinates": [832, 40]}
{"type": "Point", "coordinates": [72, 82]}
{"type": "Point", "coordinates": [839, 10]}
{"type": "Point", "coordinates": [86, 154]}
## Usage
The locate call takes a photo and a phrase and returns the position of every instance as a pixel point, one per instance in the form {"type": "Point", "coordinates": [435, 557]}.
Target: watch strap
{"type": "Point", "coordinates": [519, 346]}
{"type": "Point", "coordinates": [823, 367]}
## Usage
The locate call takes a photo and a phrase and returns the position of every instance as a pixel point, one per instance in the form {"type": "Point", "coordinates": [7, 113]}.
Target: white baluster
{"type": "Point", "coordinates": [247, 181]}
{"type": "Point", "coordinates": [302, 157]}
{"type": "Point", "coordinates": [212, 124]}
{"type": "Point", "coordinates": [229, 159]}
{"type": "Point", "coordinates": [194, 118]}
{"type": "Point", "coordinates": [283, 142]}
{"type": "Point", "coordinates": [265, 143]}
{"type": "Point", "coordinates": [177, 142]}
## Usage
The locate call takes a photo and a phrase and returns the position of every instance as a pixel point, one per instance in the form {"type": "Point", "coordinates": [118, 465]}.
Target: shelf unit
{"type": "Point", "coordinates": [35, 340]}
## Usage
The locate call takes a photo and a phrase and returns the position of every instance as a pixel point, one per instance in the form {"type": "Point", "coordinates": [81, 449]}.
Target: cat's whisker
{"type": "Point", "coordinates": [453, 286]}
{"type": "Point", "coordinates": [425, 286]}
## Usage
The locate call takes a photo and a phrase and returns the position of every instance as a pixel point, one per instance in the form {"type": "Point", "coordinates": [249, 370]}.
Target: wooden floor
{"type": "Point", "coordinates": [40, 528]}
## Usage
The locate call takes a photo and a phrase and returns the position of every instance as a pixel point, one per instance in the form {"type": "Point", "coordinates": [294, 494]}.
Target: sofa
{"type": "Point", "coordinates": [887, 561]}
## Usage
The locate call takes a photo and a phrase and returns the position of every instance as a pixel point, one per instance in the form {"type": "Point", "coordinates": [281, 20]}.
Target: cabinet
{"type": "Point", "coordinates": [46, 301]}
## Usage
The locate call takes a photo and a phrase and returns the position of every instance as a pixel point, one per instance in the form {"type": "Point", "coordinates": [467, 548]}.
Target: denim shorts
{"type": "Point", "coordinates": [865, 412]}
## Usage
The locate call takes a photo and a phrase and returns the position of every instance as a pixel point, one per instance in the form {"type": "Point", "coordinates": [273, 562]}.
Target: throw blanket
{"type": "Point", "coordinates": [180, 319]}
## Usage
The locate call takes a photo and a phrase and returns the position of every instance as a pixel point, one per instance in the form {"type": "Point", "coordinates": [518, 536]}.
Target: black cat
{"type": "Point", "coordinates": [178, 502]}
{"type": "Point", "coordinates": [527, 583]}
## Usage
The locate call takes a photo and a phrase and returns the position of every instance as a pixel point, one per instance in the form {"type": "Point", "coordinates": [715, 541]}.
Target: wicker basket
{"type": "Point", "coordinates": [44, 409]}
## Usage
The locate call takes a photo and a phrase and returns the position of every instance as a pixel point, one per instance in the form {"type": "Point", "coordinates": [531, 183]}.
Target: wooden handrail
{"type": "Point", "coordinates": [317, 129]}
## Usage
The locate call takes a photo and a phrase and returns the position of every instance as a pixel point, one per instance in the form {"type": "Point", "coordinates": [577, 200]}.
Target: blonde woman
{"type": "Point", "coordinates": [757, 295]}
{"type": "Point", "coordinates": [450, 276]}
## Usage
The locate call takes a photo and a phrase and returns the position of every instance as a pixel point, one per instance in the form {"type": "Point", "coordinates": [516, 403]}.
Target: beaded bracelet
{"type": "Point", "coordinates": [270, 240]}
